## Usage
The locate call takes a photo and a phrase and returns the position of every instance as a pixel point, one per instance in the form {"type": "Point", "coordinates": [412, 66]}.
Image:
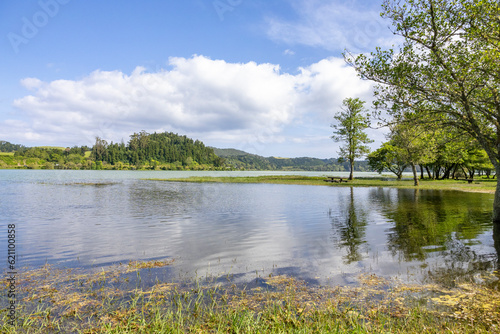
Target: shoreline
{"type": "Point", "coordinates": [487, 186]}
{"type": "Point", "coordinates": [115, 300]}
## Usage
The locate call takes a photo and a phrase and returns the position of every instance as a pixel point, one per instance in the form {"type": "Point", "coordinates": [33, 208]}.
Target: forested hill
{"type": "Point", "coordinates": [157, 149]}
{"type": "Point", "coordinates": [5, 146]}
{"type": "Point", "coordinates": [167, 151]}
{"type": "Point", "coordinates": [243, 160]}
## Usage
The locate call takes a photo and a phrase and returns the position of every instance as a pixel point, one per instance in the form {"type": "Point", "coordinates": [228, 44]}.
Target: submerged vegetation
{"type": "Point", "coordinates": [117, 300]}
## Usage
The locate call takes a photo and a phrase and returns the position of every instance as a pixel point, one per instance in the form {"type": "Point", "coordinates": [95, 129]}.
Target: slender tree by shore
{"type": "Point", "coordinates": [353, 120]}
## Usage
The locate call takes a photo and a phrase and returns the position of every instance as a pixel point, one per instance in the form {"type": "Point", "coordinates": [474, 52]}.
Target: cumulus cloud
{"type": "Point", "coordinates": [212, 100]}
{"type": "Point", "coordinates": [325, 84]}
{"type": "Point", "coordinates": [333, 25]}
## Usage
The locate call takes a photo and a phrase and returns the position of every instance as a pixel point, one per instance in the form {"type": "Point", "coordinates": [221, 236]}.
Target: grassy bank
{"type": "Point", "coordinates": [114, 301]}
{"type": "Point", "coordinates": [479, 185]}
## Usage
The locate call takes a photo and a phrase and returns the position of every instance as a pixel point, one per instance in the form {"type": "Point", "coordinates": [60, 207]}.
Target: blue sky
{"type": "Point", "coordinates": [262, 76]}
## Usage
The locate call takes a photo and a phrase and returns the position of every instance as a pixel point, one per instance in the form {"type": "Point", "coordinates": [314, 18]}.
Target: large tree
{"type": "Point", "coordinates": [353, 120]}
{"type": "Point", "coordinates": [447, 67]}
{"type": "Point", "coordinates": [416, 144]}
{"type": "Point", "coordinates": [388, 157]}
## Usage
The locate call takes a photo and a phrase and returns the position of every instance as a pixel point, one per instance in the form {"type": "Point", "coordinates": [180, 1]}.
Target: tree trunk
{"type": "Point", "coordinates": [351, 162]}
{"type": "Point", "coordinates": [464, 171]}
{"type": "Point", "coordinates": [415, 175]}
{"type": "Point", "coordinates": [428, 172]}
{"type": "Point", "coordinates": [437, 171]}
{"type": "Point", "coordinates": [447, 172]}
{"type": "Point", "coordinates": [496, 241]}
{"type": "Point", "coordinates": [454, 171]}
{"type": "Point", "coordinates": [421, 172]}
{"type": "Point", "coordinates": [472, 171]}
{"type": "Point", "coordinates": [496, 202]}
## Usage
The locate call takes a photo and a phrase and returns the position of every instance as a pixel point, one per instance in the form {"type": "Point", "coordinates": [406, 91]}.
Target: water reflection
{"type": "Point", "coordinates": [322, 234]}
{"type": "Point", "coordinates": [426, 221]}
{"type": "Point", "coordinates": [349, 227]}
{"type": "Point", "coordinates": [496, 238]}
{"type": "Point", "coordinates": [445, 227]}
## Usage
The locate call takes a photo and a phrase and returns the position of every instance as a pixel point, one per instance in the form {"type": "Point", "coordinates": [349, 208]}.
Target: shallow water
{"type": "Point", "coordinates": [325, 235]}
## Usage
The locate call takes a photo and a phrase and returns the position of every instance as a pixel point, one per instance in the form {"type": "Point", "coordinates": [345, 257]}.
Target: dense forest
{"type": "Point", "coordinates": [169, 150]}
{"type": "Point", "coordinates": [5, 146]}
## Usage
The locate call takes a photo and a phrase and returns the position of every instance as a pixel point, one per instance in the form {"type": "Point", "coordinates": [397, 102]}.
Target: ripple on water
{"type": "Point", "coordinates": [322, 234]}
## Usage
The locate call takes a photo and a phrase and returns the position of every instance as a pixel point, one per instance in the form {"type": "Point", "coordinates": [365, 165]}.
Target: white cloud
{"type": "Point", "coordinates": [333, 25]}
{"type": "Point", "coordinates": [325, 84]}
{"type": "Point", "coordinates": [241, 105]}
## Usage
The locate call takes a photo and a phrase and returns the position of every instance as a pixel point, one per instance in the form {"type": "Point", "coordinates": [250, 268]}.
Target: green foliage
{"type": "Point", "coordinates": [388, 157]}
{"type": "Point", "coordinates": [228, 152]}
{"type": "Point", "coordinates": [353, 120]}
{"type": "Point", "coordinates": [165, 151]}
{"type": "Point", "coordinates": [5, 146]}
{"type": "Point", "coordinates": [156, 149]}
{"type": "Point", "coordinates": [446, 68]}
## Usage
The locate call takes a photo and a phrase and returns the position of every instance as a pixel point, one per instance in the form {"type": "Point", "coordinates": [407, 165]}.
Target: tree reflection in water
{"type": "Point", "coordinates": [496, 238]}
{"type": "Point", "coordinates": [438, 224]}
{"type": "Point", "coordinates": [349, 228]}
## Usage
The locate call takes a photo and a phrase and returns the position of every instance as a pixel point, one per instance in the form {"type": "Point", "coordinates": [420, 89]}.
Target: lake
{"type": "Point", "coordinates": [324, 235]}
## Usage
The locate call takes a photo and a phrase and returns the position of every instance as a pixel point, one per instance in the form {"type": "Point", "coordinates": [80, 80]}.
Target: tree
{"type": "Point", "coordinates": [476, 159]}
{"type": "Point", "coordinates": [388, 157]}
{"type": "Point", "coordinates": [353, 119]}
{"type": "Point", "coordinates": [99, 149]}
{"type": "Point", "coordinates": [451, 149]}
{"type": "Point", "coordinates": [448, 67]}
{"type": "Point", "coordinates": [415, 143]}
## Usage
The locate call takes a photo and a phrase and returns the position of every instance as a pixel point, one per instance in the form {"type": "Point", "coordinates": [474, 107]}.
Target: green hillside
{"type": "Point", "coordinates": [167, 151]}
{"type": "Point", "coordinates": [238, 159]}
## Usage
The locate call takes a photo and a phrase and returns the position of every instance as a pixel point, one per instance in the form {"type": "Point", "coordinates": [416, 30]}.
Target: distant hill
{"type": "Point", "coordinates": [159, 151]}
{"type": "Point", "coordinates": [229, 152]}
{"type": "Point", "coordinates": [242, 160]}
{"type": "Point", "coordinates": [5, 146]}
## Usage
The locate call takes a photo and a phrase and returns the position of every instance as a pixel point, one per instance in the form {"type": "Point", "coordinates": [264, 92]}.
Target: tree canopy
{"type": "Point", "coordinates": [353, 120]}
{"type": "Point", "coordinates": [446, 68]}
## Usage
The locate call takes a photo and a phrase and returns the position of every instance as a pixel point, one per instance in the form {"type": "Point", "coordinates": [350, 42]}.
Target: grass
{"type": "Point", "coordinates": [113, 300]}
{"type": "Point", "coordinates": [480, 185]}
{"type": "Point", "coordinates": [52, 147]}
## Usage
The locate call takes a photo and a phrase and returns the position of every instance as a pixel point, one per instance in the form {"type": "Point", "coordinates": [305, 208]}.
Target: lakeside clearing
{"type": "Point", "coordinates": [482, 185]}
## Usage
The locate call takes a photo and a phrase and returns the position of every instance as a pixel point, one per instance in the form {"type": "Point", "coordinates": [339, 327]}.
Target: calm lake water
{"type": "Point", "coordinates": [326, 235]}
